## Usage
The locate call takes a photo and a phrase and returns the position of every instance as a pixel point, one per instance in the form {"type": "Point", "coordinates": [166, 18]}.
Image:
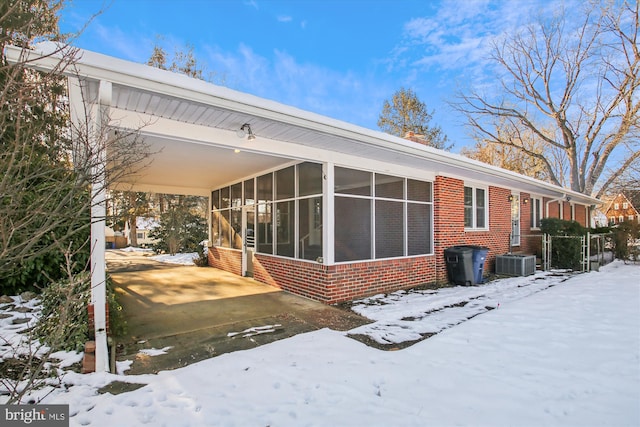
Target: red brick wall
{"type": "Point", "coordinates": [566, 211]}
{"type": "Point", "coordinates": [554, 210]}
{"type": "Point", "coordinates": [581, 215]}
{"type": "Point", "coordinates": [448, 219]}
{"type": "Point", "coordinates": [337, 283]}
{"type": "Point", "coordinates": [449, 222]}
{"type": "Point", "coordinates": [226, 259]}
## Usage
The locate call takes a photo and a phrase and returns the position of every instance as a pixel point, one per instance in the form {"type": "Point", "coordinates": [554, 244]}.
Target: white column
{"type": "Point", "coordinates": [98, 241]}
{"type": "Point", "coordinates": [328, 220]}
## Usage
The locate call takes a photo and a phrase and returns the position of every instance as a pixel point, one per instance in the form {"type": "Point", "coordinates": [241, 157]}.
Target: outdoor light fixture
{"type": "Point", "coordinates": [245, 129]}
{"type": "Point", "coordinates": [511, 197]}
{"type": "Point", "coordinates": [525, 201]}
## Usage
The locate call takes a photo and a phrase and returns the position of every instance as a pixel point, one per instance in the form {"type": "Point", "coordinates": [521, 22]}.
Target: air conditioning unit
{"type": "Point", "coordinates": [515, 265]}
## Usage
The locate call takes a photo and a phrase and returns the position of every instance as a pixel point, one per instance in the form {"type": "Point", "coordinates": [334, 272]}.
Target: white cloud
{"type": "Point", "coordinates": [252, 3]}
{"type": "Point", "coordinates": [455, 42]}
{"type": "Point", "coordinates": [464, 31]}
{"type": "Point", "coordinates": [284, 18]}
{"type": "Point", "coordinates": [346, 95]}
{"type": "Point", "coordinates": [120, 41]}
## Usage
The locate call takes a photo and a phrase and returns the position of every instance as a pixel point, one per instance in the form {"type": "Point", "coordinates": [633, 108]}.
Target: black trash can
{"type": "Point", "coordinates": [479, 256]}
{"type": "Point", "coordinates": [459, 260]}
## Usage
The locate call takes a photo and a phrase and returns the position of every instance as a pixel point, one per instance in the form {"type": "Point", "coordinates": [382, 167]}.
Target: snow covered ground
{"type": "Point", "coordinates": [181, 259]}
{"type": "Point", "coordinates": [544, 350]}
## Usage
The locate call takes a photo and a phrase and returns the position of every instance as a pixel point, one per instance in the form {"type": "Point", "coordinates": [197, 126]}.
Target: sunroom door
{"type": "Point", "coordinates": [248, 240]}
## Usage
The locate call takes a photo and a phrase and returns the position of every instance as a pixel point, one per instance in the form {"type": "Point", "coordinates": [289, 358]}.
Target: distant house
{"type": "Point", "coordinates": [114, 239]}
{"type": "Point", "coordinates": [624, 207]}
{"type": "Point", "coordinates": [144, 226]}
{"type": "Point", "coordinates": [599, 219]}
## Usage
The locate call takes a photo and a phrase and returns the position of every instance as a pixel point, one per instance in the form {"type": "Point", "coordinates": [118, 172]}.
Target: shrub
{"type": "Point", "coordinates": [64, 322]}
{"type": "Point", "coordinates": [566, 249]}
{"type": "Point", "coordinates": [37, 272]}
{"type": "Point", "coordinates": [180, 231]}
{"type": "Point", "coordinates": [624, 236]}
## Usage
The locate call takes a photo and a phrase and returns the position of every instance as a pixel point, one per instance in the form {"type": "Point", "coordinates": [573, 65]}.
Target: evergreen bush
{"type": "Point", "coordinates": [624, 237]}
{"type": "Point", "coordinates": [64, 322]}
{"type": "Point", "coordinates": [566, 249]}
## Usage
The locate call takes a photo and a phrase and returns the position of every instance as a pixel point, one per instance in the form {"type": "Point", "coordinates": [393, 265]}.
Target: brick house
{"type": "Point", "coordinates": [624, 207]}
{"type": "Point", "coordinates": [304, 202]}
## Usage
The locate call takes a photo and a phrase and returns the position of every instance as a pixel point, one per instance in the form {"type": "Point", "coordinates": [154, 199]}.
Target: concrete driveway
{"type": "Point", "coordinates": [204, 312]}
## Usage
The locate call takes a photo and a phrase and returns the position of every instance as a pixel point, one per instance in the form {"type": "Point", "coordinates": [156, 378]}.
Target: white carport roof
{"type": "Point", "coordinates": [192, 125]}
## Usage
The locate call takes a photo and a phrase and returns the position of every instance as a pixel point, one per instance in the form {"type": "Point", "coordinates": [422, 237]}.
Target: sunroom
{"type": "Point", "coordinates": [323, 213]}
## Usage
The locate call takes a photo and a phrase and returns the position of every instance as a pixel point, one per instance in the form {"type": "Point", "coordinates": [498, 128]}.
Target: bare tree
{"type": "Point", "coordinates": [512, 156]}
{"type": "Point", "coordinates": [49, 162]}
{"type": "Point", "coordinates": [574, 89]}
{"type": "Point", "coordinates": [50, 157]}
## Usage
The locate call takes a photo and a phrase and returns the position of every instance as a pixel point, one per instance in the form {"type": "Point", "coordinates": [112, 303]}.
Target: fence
{"type": "Point", "coordinates": [578, 253]}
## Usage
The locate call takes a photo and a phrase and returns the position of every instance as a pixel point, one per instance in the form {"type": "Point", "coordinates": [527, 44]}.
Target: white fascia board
{"type": "Point", "coordinates": [102, 67]}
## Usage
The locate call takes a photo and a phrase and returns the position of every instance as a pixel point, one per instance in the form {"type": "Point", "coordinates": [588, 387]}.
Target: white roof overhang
{"type": "Point", "coordinates": [191, 127]}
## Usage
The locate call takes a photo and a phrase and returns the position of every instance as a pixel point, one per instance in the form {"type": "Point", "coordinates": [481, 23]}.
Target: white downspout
{"type": "Point", "coordinates": [546, 208]}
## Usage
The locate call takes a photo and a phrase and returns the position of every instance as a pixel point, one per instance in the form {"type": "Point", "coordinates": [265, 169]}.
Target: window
{"type": "Point", "coordinates": [616, 206]}
{"type": "Point", "coordinates": [620, 219]}
{"type": "Point", "coordinates": [381, 216]}
{"type": "Point", "coordinates": [285, 183]}
{"type": "Point", "coordinates": [350, 181]}
{"type": "Point", "coordinates": [224, 198]}
{"type": "Point", "coordinates": [353, 229]}
{"type": "Point", "coordinates": [215, 199]}
{"type": "Point", "coordinates": [288, 209]}
{"type": "Point", "coordinates": [309, 179]}
{"type": "Point", "coordinates": [310, 228]}
{"type": "Point", "coordinates": [140, 235]}
{"type": "Point", "coordinates": [475, 208]}
{"type": "Point", "coordinates": [309, 211]}
{"type": "Point", "coordinates": [536, 212]}
{"type": "Point", "coordinates": [264, 218]}
{"type": "Point", "coordinates": [249, 193]}
{"type": "Point", "coordinates": [284, 228]}
{"type": "Point", "coordinates": [389, 229]}
{"type": "Point", "coordinates": [625, 205]}
{"type": "Point", "coordinates": [631, 218]}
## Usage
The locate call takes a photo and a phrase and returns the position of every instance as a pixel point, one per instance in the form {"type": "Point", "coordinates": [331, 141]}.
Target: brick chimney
{"type": "Point", "coordinates": [416, 137]}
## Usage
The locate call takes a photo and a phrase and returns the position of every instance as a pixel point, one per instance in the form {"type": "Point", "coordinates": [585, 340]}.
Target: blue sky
{"type": "Point", "coordinates": [340, 58]}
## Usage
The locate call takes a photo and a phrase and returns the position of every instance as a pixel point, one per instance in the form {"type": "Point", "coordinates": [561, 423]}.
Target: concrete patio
{"type": "Point", "coordinates": [203, 312]}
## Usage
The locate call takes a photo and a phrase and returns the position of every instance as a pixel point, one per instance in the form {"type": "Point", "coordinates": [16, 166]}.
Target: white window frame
{"type": "Point", "coordinates": [625, 205]}
{"type": "Point", "coordinates": [620, 219]}
{"type": "Point", "coordinates": [631, 218]}
{"type": "Point", "coordinates": [474, 219]}
{"type": "Point", "coordinates": [539, 215]}
{"type": "Point", "coordinates": [616, 206]}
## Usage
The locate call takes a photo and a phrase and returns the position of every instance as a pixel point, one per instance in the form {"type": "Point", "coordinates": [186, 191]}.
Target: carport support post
{"type": "Point", "coordinates": [98, 240]}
